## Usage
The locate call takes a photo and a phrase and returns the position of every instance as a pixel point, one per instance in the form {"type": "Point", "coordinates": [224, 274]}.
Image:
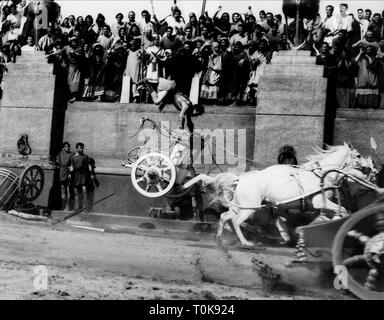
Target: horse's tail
{"type": "Point", "coordinates": [221, 188]}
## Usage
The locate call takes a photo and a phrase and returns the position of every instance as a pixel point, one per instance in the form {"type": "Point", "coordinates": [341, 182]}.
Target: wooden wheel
{"type": "Point", "coordinates": [31, 183]}
{"type": "Point", "coordinates": [359, 246]}
{"type": "Point", "coordinates": [135, 153]}
{"type": "Point", "coordinates": [153, 175]}
{"type": "Point", "coordinates": [183, 176]}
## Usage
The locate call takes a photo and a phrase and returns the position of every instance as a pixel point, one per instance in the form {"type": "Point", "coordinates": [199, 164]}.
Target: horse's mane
{"type": "Point", "coordinates": [320, 154]}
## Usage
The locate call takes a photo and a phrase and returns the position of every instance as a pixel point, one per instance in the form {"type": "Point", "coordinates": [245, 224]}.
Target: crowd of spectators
{"type": "Point", "coordinates": [227, 53]}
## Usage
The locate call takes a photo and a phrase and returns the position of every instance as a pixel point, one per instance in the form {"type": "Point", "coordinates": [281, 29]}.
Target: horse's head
{"type": "Point", "coordinates": [353, 158]}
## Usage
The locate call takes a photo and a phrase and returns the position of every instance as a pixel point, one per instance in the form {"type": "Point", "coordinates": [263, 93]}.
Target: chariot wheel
{"type": "Point", "coordinates": [359, 246]}
{"type": "Point", "coordinates": [153, 175]}
{"type": "Point", "coordinates": [183, 176]}
{"type": "Point", "coordinates": [31, 183]}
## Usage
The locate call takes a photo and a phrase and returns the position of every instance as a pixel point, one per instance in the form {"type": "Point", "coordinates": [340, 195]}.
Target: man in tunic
{"type": "Point", "coordinates": [82, 175]}
{"type": "Point", "coordinates": [63, 160]}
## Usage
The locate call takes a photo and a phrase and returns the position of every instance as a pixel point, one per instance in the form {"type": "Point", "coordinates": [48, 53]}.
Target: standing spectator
{"type": "Point", "coordinates": [154, 56]}
{"type": "Point", "coordinates": [193, 25]}
{"type": "Point", "coordinates": [120, 39]}
{"type": "Point", "coordinates": [222, 26]}
{"type": "Point", "coordinates": [106, 38]}
{"type": "Point", "coordinates": [131, 20]}
{"type": "Point", "coordinates": [274, 37]}
{"type": "Point", "coordinates": [282, 27]}
{"type": "Point", "coordinates": [376, 27]}
{"type": "Point", "coordinates": [46, 42]}
{"type": "Point", "coordinates": [241, 37]}
{"type": "Point", "coordinates": [364, 23]}
{"type": "Point", "coordinates": [146, 24]}
{"type": "Point", "coordinates": [29, 46]}
{"type": "Point", "coordinates": [368, 14]}
{"type": "Point", "coordinates": [367, 92]}
{"type": "Point", "coordinates": [240, 74]}
{"type": "Point", "coordinates": [236, 21]}
{"type": "Point", "coordinates": [90, 36]}
{"type": "Point", "coordinates": [81, 175]}
{"type": "Point", "coordinates": [345, 81]}
{"type": "Point", "coordinates": [63, 160]}
{"type": "Point", "coordinates": [97, 61]}
{"type": "Point", "coordinates": [133, 67]}
{"type": "Point", "coordinates": [344, 20]}
{"type": "Point", "coordinates": [270, 21]}
{"type": "Point", "coordinates": [188, 36]}
{"type": "Point", "coordinates": [211, 80]}
{"type": "Point", "coordinates": [249, 26]}
{"type": "Point", "coordinates": [114, 70]}
{"type": "Point", "coordinates": [118, 24]}
{"type": "Point", "coordinates": [205, 37]}
{"type": "Point", "coordinates": [330, 25]}
{"type": "Point", "coordinates": [98, 28]}
{"type": "Point", "coordinates": [73, 53]}
{"type": "Point", "coordinates": [321, 56]}
{"type": "Point", "coordinates": [170, 41]}
{"type": "Point", "coordinates": [228, 62]}
{"type": "Point", "coordinates": [66, 26]}
{"type": "Point", "coordinates": [381, 74]}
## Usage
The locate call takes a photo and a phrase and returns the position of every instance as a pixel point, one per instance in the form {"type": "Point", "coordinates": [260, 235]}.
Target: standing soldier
{"type": "Point", "coordinates": [63, 159]}
{"type": "Point", "coordinates": [82, 175]}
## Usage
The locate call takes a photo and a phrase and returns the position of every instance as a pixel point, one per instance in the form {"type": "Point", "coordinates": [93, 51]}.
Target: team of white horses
{"type": "Point", "coordinates": [279, 184]}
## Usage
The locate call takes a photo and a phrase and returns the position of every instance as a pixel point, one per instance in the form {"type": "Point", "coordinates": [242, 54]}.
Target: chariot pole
{"type": "Point", "coordinates": [298, 2]}
{"type": "Point", "coordinates": [203, 7]}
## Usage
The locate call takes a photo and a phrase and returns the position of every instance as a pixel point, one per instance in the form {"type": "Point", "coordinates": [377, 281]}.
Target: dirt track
{"type": "Point", "coordinates": [92, 265]}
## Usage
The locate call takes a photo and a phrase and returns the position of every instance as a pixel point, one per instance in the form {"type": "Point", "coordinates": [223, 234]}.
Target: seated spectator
{"type": "Point", "coordinates": [282, 27]}
{"type": "Point", "coordinates": [285, 44]}
{"type": "Point", "coordinates": [321, 55]}
{"type": "Point", "coordinates": [46, 42]}
{"type": "Point", "coordinates": [274, 37]}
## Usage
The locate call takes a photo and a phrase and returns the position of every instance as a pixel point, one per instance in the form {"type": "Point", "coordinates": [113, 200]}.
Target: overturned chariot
{"type": "Point", "coordinates": [17, 190]}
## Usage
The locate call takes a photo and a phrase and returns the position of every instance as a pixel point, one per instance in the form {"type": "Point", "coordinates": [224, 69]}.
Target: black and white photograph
{"type": "Point", "coordinates": [191, 154]}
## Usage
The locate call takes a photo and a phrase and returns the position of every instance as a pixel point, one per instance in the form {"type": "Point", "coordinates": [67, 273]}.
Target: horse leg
{"type": "Point", "coordinates": [283, 229]}
{"type": "Point", "coordinates": [237, 221]}
{"type": "Point", "coordinates": [319, 203]}
{"type": "Point", "coordinates": [224, 218]}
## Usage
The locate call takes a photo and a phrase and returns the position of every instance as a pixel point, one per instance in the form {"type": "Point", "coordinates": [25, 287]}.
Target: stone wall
{"type": "Point", "coordinates": [106, 129]}
{"type": "Point", "coordinates": [357, 126]}
{"type": "Point", "coordinates": [27, 104]}
{"type": "Point", "coordinates": [291, 106]}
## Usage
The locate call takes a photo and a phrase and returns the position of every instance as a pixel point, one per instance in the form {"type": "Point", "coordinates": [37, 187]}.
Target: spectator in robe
{"type": "Point", "coordinates": [380, 79]}
{"type": "Point", "coordinates": [258, 56]}
{"type": "Point", "coordinates": [106, 38]}
{"type": "Point", "coordinates": [193, 25]}
{"type": "Point", "coordinates": [90, 36]}
{"type": "Point", "coordinates": [354, 35]}
{"type": "Point", "coordinates": [175, 21]}
{"type": "Point", "coordinates": [120, 39]}
{"type": "Point", "coordinates": [249, 26]}
{"type": "Point", "coordinates": [368, 40]}
{"type": "Point", "coordinates": [134, 34]}
{"type": "Point", "coordinates": [367, 91]}
{"type": "Point", "coordinates": [115, 27]}
{"type": "Point", "coordinates": [133, 66]}
{"type": "Point", "coordinates": [330, 26]}
{"type": "Point", "coordinates": [73, 53]}
{"type": "Point", "coordinates": [211, 80]}
{"type": "Point", "coordinates": [368, 14]}
{"type": "Point", "coordinates": [146, 24]}
{"type": "Point", "coordinates": [114, 70]}
{"type": "Point", "coordinates": [131, 20]}
{"type": "Point", "coordinates": [222, 25]}
{"type": "Point", "coordinates": [80, 26]}
{"type": "Point", "coordinates": [376, 27]}
{"type": "Point", "coordinates": [322, 54]}
{"type": "Point", "coordinates": [345, 82]}
{"type": "Point", "coordinates": [65, 26]}
{"type": "Point", "coordinates": [96, 84]}
{"type": "Point", "coordinates": [240, 74]}
{"type": "Point", "coordinates": [364, 23]}
{"type": "Point", "coordinates": [154, 56]}
{"type": "Point", "coordinates": [98, 28]}
{"type": "Point", "coordinates": [147, 39]}
{"type": "Point", "coordinates": [46, 42]}
{"type": "Point", "coordinates": [236, 21]}
{"type": "Point", "coordinates": [228, 62]}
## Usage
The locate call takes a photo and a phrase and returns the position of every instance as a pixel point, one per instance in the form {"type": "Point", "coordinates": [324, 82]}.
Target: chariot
{"type": "Point", "coordinates": [18, 190]}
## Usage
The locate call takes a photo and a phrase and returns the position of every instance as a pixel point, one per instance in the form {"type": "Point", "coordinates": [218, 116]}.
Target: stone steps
{"type": "Point", "coordinates": [294, 70]}
{"type": "Point", "coordinates": [292, 53]}
{"type": "Point", "coordinates": [22, 68]}
{"type": "Point", "coordinates": [286, 84]}
{"type": "Point", "coordinates": [293, 60]}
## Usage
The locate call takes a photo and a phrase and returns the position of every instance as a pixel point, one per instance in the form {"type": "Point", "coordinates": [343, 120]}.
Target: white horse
{"type": "Point", "coordinates": [279, 184]}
